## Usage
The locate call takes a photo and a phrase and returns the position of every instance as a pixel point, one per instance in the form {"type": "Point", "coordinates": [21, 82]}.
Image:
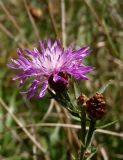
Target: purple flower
{"type": "Point", "coordinates": [49, 66]}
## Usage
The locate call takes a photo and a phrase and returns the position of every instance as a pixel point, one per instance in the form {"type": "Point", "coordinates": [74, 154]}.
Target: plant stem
{"type": "Point", "coordinates": [83, 132]}
{"type": "Point", "coordinates": [90, 132]}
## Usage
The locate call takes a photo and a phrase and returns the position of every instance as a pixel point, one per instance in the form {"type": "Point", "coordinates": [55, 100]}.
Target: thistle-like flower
{"type": "Point", "coordinates": [51, 66]}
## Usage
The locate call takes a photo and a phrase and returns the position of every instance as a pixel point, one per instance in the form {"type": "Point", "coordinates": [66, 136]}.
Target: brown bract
{"type": "Point", "coordinates": [96, 107]}
{"type": "Point", "coordinates": [60, 85]}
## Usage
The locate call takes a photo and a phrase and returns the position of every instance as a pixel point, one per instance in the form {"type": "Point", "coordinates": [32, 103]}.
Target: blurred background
{"type": "Point", "coordinates": [30, 127]}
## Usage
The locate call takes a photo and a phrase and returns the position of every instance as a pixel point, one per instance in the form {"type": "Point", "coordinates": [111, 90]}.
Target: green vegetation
{"type": "Point", "coordinates": [31, 127]}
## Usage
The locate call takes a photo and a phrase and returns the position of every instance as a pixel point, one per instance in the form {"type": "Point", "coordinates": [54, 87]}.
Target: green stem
{"type": "Point", "coordinates": [90, 132]}
{"type": "Point", "coordinates": [83, 132]}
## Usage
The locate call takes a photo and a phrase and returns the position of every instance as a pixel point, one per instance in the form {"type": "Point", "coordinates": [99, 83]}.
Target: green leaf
{"type": "Point", "coordinates": [91, 155]}
{"type": "Point", "coordinates": [104, 87]}
{"type": "Point", "coordinates": [108, 124]}
{"type": "Point", "coordinates": [76, 90]}
{"type": "Point", "coordinates": [93, 151]}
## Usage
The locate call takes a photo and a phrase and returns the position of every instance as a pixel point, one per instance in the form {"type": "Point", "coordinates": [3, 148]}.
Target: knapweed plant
{"type": "Point", "coordinates": [50, 68]}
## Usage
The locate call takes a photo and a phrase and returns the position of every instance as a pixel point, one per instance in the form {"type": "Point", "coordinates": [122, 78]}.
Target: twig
{"type": "Point", "coordinates": [73, 126]}
{"type": "Point", "coordinates": [88, 3]}
{"type": "Point", "coordinates": [104, 154]}
{"type": "Point", "coordinates": [22, 126]}
{"type": "Point", "coordinates": [12, 19]}
{"type": "Point", "coordinates": [63, 21]}
{"type": "Point", "coordinates": [9, 34]}
{"type": "Point", "coordinates": [9, 16]}
{"type": "Point", "coordinates": [49, 110]}
{"type": "Point", "coordinates": [32, 20]}
{"type": "Point", "coordinates": [102, 23]}
{"type": "Point", "coordinates": [52, 19]}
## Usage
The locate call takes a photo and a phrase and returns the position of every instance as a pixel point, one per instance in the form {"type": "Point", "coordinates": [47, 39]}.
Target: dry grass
{"type": "Point", "coordinates": [42, 129]}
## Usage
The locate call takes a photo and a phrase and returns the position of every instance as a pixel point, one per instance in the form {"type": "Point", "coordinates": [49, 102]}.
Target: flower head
{"type": "Point", "coordinates": [96, 107]}
{"type": "Point", "coordinates": [50, 66]}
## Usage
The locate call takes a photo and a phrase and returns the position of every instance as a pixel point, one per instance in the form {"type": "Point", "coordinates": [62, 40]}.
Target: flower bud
{"type": "Point", "coordinates": [82, 99]}
{"type": "Point", "coordinates": [96, 107]}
